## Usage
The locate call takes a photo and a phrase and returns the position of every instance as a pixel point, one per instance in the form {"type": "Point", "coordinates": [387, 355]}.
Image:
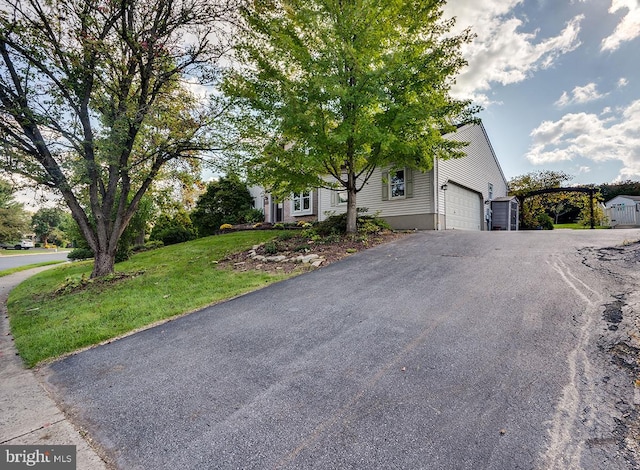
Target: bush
{"type": "Point", "coordinates": [226, 227]}
{"type": "Point", "coordinates": [148, 246]}
{"type": "Point", "coordinates": [545, 222]}
{"type": "Point", "coordinates": [174, 229]}
{"type": "Point", "coordinates": [80, 253]}
{"type": "Point", "coordinates": [173, 235]}
{"type": "Point", "coordinates": [286, 236]}
{"type": "Point", "coordinates": [253, 216]}
{"type": "Point", "coordinates": [337, 224]}
{"type": "Point", "coordinates": [270, 248]}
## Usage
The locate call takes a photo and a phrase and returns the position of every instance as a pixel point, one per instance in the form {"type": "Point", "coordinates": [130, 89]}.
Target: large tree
{"type": "Point", "coordinates": [336, 88]}
{"type": "Point", "coordinates": [93, 102]}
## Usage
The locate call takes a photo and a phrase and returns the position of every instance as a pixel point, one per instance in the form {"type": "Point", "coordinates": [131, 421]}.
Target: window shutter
{"type": "Point", "coordinates": [334, 198]}
{"type": "Point", "coordinates": [408, 182]}
{"type": "Point", "coordinates": [385, 185]}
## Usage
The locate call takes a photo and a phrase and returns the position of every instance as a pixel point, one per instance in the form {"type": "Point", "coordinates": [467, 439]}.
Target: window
{"type": "Point", "coordinates": [341, 198]}
{"type": "Point", "coordinates": [301, 203]}
{"type": "Point", "coordinates": [396, 184]}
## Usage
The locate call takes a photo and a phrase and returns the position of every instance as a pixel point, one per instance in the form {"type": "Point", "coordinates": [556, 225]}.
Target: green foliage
{"type": "Point", "coordinates": [45, 221]}
{"type": "Point", "coordinates": [80, 253]}
{"type": "Point", "coordinates": [286, 236]}
{"type": "Point", "coordinates": [555, 204]}
{"type": "Point", "coordinates": [271, 248]}
{"type": "Point", "coordinates": [623, 188]}
{"type": "Point", "coordinates": [173, 229]}
{"type": "Point", "coordinates": [95, 103]}
{"type": "Point", "coordinates": [13, 218]}
{"type": "Point", "coordinates": [150, 245]}
{"type": "Point", "coordinates": [544, 221]}
{"type": "Point", "coordinates": [226, 201]}
{"type": "Point", "coordinates": [341, 88]}
{"type": "Point", "coordinates": [337, 224]}
{"type": "Point", "coordinates": [253, 216]}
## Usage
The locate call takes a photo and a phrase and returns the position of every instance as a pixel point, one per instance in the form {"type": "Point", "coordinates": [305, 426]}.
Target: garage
{"type": "Point", "coordinates": [463, 208]}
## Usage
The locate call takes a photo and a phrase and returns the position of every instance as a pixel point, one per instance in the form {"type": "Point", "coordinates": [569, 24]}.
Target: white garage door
{"type": "Point", "coordinates": [464, 210]}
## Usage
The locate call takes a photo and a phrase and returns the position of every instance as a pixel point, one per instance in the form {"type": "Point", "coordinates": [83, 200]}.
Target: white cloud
{"type": "Point", "coordinates": [584, 169]}
{"type": "Point", "coordinates": [580, 95]}
{"type": "Point", "coordinates": [629, 26]}
{"type": "Point", "coordinates": [502, 52]}
{"type": "Point", "coordinates": [622, 82]}
{"type": "Point", "coordinates": [590, 136]}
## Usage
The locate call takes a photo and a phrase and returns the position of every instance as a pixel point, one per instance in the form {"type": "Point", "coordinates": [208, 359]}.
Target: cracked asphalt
{"type": "Point", "coordinates": [448, 350]}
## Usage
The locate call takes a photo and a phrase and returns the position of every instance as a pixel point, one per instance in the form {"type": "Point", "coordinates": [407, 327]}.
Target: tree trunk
{"type": "Point", "coordinates": [352, 211]}
{"type": "Point", "coordinates": [103, 263]}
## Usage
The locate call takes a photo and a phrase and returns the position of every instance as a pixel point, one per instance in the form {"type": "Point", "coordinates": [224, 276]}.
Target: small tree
{"type": "Point", "coordinates": [13, 218]}
{"type": "Point", "coordinates": [45, 221]}
{"type": "Point", "coordinates": [340, 87]}
{"type": "Point", "coordinates": [226, 201]}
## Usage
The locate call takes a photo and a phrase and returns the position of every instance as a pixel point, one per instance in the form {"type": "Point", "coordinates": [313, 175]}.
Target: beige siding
{"type": "Point", "coordinates": [371, 198]}
{"type": "Point", "coordinates": [477, 169]}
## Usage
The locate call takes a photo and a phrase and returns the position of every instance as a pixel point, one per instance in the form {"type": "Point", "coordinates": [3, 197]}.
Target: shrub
{"type": "Point", "coordinates": [172, 229]}
{"type": "Point", "coordinates": [286, 236]}
{"type": "Point", "coordinates": [226, 227]}
{"type": "Point", "coordinates": [270, 248]}
{"type": "Point", "coordinates": [173, 235]}
{"type": "Point", "coordinates": [80, 253]}
{"type": "Point", "coordinates": [337, 224]}
{"type": "Point", "coordinates": [278, 226]}
{"type": "Point", "coordinates": [545, 222]}
{"type": "Point", "coordinates": [254, 216]}
{"type": "Point", "coordinates": [148, 246]}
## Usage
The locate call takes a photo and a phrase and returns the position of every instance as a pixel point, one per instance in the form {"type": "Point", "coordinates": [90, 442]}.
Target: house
{"type": "Point", "coordinates": [455, 194]}
{"type": "Point", "coordinates": [623, 211]}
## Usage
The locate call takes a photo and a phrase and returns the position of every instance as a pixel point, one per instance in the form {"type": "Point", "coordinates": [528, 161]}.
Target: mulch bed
{"type": "Point", "coordinates": [329, 250]}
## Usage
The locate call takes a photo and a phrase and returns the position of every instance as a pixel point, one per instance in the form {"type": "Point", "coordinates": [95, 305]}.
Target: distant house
{"type": "Point", "coordinates": [455, 194]}
{"type": "Point", "coordinates": [623, 211]}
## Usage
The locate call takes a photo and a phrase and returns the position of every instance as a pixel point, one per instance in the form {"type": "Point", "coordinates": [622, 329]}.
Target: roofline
{"type": "Point", "coordinates": [493, 153]}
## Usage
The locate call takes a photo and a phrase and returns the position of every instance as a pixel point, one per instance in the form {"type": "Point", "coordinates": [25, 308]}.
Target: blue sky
{"type": "Point", "coordinates": [559, 81]}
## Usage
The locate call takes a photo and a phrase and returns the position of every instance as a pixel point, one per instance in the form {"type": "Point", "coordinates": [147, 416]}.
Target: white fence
{"type": "Point", "coordinates": [620, 214]}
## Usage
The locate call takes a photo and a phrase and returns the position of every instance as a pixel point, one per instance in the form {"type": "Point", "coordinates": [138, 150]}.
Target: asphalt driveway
{"type": "Point", "coordinates": [445, 350]}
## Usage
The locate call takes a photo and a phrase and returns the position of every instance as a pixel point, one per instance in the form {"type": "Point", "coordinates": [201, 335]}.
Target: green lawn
{"type": "Point", "coordinates": [576, 226]}
{"type": "Point", "coordinates": [50, 316]}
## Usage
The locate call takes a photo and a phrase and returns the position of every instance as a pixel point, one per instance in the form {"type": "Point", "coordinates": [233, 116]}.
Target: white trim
{"type": "Point", "coordinates": [301, 196]}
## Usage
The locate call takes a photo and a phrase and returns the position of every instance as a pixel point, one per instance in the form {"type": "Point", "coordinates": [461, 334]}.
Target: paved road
{"type": "Point", "coordinates": [26, 257]}
{"type": "Point", "coordinates": [451, 350]}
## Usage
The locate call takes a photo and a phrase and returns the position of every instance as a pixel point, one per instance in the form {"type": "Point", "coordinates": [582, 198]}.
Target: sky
{"type": "Point", "coordinates": [559, 83]}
